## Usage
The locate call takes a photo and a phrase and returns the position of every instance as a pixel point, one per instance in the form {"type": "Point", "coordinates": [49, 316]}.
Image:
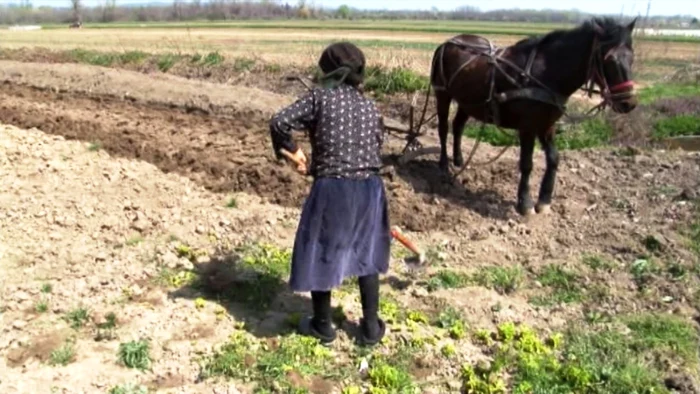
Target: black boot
{"type": "Point", "coordinates": [319, 326]}
{"type": "Point", "coordinates": [372, 328]}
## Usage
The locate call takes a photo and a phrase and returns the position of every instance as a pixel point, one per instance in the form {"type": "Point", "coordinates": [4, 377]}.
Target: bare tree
{"type": "Point", "coordinates": [76, 5]}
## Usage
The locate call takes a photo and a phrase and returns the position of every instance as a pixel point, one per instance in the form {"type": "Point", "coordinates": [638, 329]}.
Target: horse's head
{"type": "Point", "coordinates": [612, 60]}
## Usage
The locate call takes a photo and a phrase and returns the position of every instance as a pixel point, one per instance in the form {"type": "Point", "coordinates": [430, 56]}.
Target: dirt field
{"type": "Point", "coordinates": [107, 173]}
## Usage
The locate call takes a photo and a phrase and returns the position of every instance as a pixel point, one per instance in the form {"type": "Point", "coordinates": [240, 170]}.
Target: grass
{"type": "Point", "coordinates": [668, 334]}
{"type": "Point", "coordinates": [564, 286]}
{"type": "Point", "coordinates": [394, 80]}
{"type": "Point", "coordinates": [582, 360]}
{"type": "Point", "coordinates": [415, 26]}
{"type": "Point", "coordinates": [242, 357]}
{"type": "Point", "coordinates": [267, 267]}
{"type": "Point", "coordinates": [135, 354]}
{"type": "Point", "coordinates": [659, 91]}
{"type": "Point", "coordinates": [587, 134]}
{"type": "Point", "coordinates": [682, 125]}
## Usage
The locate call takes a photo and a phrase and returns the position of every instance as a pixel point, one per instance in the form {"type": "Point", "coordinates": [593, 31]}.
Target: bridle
{"type": "Point", "coordinates": [596, 76]}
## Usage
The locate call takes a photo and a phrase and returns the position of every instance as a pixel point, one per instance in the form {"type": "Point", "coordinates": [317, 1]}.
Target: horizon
{"type": "Point", "coordinates": [628, 8]}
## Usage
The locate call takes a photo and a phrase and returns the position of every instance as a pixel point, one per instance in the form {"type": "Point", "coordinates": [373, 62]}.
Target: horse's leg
{"type": "Point", "coordinates": [552, 158]}
{"type": "Point", "coordinates": [443, 112]}
{"type": "Point", "coordinates": [527, 146]}
{"type": "Point", "coordinates": [457, 130]}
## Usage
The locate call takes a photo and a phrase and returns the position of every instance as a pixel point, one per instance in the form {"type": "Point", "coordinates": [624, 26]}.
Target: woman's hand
{"type": "Point", "coordinates": [298, 158]}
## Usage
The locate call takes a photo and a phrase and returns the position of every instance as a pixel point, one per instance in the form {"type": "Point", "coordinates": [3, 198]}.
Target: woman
{"type": "Point", "coordinates": [344, 227]}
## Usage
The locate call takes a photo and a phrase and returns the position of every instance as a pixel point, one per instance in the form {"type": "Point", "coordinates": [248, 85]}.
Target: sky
{"type": "Point", "coordinates": [627, 7]}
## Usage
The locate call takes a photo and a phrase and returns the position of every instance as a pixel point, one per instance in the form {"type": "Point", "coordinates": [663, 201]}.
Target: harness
{"type": "Point", "coordinates": [524, 90]}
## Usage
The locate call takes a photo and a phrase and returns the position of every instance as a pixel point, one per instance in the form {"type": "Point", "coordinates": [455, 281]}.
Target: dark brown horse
{"type": "Point", "coordinates": [526, 86]}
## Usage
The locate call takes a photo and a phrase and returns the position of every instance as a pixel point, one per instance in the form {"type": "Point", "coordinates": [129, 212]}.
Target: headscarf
{"type": "Point", "coordinates": [342, 62]}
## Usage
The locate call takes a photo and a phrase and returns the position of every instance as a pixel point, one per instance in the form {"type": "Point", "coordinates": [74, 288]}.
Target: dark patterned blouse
{"type": "Point", "coordinates": [345, 130]}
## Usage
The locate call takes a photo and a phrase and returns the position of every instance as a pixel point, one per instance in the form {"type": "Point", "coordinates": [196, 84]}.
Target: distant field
{"type": "Point", "coordinates": [422, 26]}
{"type": "Point", "coordinates": [407, 44]}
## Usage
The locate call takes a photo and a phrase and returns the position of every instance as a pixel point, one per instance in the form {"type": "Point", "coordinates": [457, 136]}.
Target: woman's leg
{"type": "Point", "coordinates": [322, 313]}
{"type": "Point", "coordinates": [372, 327]}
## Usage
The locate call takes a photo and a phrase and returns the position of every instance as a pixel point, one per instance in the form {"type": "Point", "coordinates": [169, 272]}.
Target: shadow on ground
{"type": "Point", "coordinates": [425, 177]}
{"type": "Point", "coordinates": [257, 295]}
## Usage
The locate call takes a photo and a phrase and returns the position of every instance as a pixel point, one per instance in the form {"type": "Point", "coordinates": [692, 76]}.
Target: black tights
{"type": "Point", "coordinates": [369, 295]}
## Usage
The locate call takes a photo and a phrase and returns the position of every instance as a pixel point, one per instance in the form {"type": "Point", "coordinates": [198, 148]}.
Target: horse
{"type": "Point", "coordinates": [76, 25]}
{"type": "Point", "coordinates": [526, 86]}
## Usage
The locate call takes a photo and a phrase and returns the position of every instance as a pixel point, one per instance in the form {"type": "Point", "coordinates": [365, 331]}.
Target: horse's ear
{"type": "Point", "coordinates": [630, 27]}
{"type": "Point", "coordinates": [597, 28]}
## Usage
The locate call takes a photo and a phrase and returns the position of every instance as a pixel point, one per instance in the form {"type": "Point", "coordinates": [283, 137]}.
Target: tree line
{"type": "Point", "coordinates": [23, 12]}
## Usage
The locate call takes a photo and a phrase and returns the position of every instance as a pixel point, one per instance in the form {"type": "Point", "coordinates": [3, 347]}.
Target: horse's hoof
{"type": "Point", "coordinates": [525, 211]}
{"type": "Point", "coordinates": [544, 209]}
{"type": "Point", "coordinates": [459, 162]}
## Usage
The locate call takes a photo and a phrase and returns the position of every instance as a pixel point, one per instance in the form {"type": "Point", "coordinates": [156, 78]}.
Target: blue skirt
{"type": "Point", "coordinates": [343, 232]}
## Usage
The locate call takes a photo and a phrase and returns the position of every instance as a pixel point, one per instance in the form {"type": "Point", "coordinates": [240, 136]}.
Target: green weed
{"type": "Point", "coordinates": [46, 288]}
{"type": "Point", "coordinates": [446, 279]}
{"type": "Point", "coordinates": [386, 378]}
{"type": "Point", "coordinates": [174, 278]}
{"type": "Point", "coordinates": [213, 59]}
{"type": "Point", "coordinates": [133, 57]}
{"type": "Point", "coordinates": [299, 353]}
{"type": "Point", "coordinates": [41, 306]}
{"type": "Point", "coordinates": [64, 355]}
{"type": "Point", "coordinates": [77, 318]}
{"type": "Point", "coordinates": [242, 64]}
{"type": "Point", "coordinates": [166, 61]}
{"type": "Point", "coordinates": [128, 388]}
{"type": "Point", "coordinates": [232, 203]}
{"type": "Point", "coordinates": [135, 354]}
{"type": "Point", "coordinates": [643, 271]}
{"type": "Point", "coordinates": [233, 359]}
{"type": "Point", "coordinates": [94, 147]}
{"type": "Point", "coordinates": [451, 320]}
{"type": "Point", "coordinates": [504, 280]}
{"type": "Point", "coordinates": [597, 362]}
{"type": "Point", "coordinates": [390, 311]}
{"type": "Point", "coordinates": [598, 263]}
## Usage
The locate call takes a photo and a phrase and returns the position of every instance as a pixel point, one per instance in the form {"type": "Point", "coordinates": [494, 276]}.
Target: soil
{"type": "Point", "coordinates": [148, 162]}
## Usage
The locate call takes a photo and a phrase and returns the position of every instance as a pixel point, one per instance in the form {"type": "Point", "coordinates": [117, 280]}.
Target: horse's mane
{"type": "Point", "coordinates": [613, 31]}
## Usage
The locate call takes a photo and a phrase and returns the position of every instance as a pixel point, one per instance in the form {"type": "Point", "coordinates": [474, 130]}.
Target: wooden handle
{"type": "Point", "coordinates": [287, 154]}
{"type": "Point", "coordinates": [396, 233]}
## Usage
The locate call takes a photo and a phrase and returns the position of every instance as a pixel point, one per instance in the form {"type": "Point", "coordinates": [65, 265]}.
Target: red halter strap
{"type": "Point", "coordinates": [621, 86]}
